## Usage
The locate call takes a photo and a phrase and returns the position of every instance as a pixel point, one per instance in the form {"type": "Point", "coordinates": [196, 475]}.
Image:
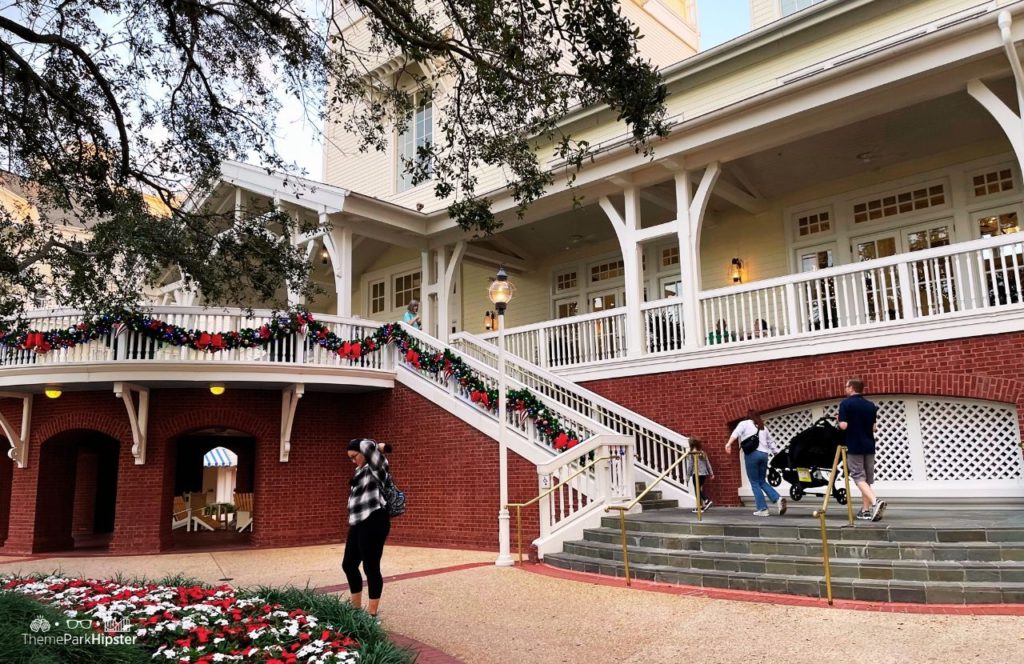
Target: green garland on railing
{"type": "Point", "coordinates": [445, 363]}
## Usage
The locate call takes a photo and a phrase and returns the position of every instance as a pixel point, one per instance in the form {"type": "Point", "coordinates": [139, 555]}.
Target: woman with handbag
{"type": "Point", "coordinates": [368, 521]}
{"type": "Point", "coordinates": [757, 443]}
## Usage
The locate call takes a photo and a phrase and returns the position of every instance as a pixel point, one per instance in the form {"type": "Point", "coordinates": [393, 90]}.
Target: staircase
{"type": "Point", "coordinates": [934, 558]}
{"type": "Point", "coordinates": [654, 500]}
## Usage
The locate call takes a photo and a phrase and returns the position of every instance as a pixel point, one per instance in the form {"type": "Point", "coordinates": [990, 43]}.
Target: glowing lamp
{"type": "Point", "coordinates": [216, 389]}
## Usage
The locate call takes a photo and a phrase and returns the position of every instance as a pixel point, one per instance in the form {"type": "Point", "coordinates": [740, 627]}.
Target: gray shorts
{"type": "Point", "coordinates": [862, 467]}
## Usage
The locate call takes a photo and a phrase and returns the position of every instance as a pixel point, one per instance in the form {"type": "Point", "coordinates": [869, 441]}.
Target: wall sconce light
{"type": "Point", "coordinates": [737, 271]}
{"type": "Point", "coordinates": [324, 256]}
{"type": "Point", "coordinates": [53, 392]}
{"type": "Point", "coordinates": [216, 389]}
{"type": "Point", "coordinates": [488, 321]}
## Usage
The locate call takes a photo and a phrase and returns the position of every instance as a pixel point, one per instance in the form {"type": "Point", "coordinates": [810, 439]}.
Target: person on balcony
{"type": "Point", "coordinates": [756, 462]}
{"type": "Point", "coordinates": [368, 521]}
{"type": "Point", "coordinates": [858, 418]}
{"type": "Point", "coordinates": [412, 315]}
{"type": "Point", "coordinates": [721, 333]}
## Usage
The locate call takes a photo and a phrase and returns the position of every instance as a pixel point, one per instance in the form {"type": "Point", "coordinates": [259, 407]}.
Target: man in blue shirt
{"type": "Point", "coordinates": [857, 417]}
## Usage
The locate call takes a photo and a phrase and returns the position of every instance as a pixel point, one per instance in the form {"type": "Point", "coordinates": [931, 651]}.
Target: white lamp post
{"type": "Point", "coordinates": [500, 293]}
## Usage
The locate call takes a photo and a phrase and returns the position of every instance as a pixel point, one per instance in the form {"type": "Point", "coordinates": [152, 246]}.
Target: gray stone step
{"type": "Point", "coordinates": [653, 495]}
{"type": "Point", "coordinates": [743, 543]}
{"type": "Point", "coordinates": [658, 504]}
{"type": "Point", "coordinates": [682, 522]}
{"type": "Point", "coordinates": [906, 570]}
{"type": "Point", "coordinates": [884, 590]}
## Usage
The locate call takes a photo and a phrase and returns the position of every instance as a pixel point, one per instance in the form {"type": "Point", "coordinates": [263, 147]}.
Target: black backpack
{"type": "Point", "coordinates": [394, 498]}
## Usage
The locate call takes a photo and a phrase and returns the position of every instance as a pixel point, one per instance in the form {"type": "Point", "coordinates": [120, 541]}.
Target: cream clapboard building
{"type": "Point", "coordinates": [840, 195]}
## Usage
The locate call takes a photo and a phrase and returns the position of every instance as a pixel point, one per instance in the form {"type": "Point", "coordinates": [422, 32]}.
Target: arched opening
{"type": "Point", "coordinates": [214, 477]}
{"type": "Point", "coordinates": [77, 491]}
{"type": "Point", "coordinates": [6, 477]}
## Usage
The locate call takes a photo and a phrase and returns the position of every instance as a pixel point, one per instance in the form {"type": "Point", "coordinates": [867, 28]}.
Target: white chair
{"type": "Point", "coordinates": [243, 511]}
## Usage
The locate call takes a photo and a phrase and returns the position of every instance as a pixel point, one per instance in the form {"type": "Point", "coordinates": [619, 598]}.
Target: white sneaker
{"type": "Point", "coordinates": [877, 510]}
{"type": "Point", "coordinates": [780, 506]}
{"type": "Point", "coordinates": [763, 512]}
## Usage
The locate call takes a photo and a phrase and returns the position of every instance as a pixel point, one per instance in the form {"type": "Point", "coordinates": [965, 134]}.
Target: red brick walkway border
{"type": "Point", "coordinates": [778, 599]}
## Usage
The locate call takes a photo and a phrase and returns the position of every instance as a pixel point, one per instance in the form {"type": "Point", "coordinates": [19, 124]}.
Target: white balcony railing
{"type": "Point", "coordinates": [126, 345]}
{"type": "Point", "coordinates": [985, 274]}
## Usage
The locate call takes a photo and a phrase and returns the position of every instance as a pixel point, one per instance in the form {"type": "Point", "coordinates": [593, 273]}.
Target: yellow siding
{"type": "Point", "coordinates": [659, 44]}
{"type": "Point", "coordinates": [763, 12]}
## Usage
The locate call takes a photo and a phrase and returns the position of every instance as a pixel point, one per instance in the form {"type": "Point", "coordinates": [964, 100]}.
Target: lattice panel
{"type": "Point", "coordinates": [786, 425]}
{"type": "Point", "coordinates": [892, 442]}
{"type": "Point", "coordinates": [970, 441]}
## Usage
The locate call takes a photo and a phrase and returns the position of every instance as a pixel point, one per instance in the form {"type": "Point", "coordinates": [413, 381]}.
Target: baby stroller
{"type": "Point", "coordinates": [807, 461]}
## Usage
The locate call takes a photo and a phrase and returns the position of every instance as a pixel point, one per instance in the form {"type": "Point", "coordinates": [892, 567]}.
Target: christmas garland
{"type": "Point", "coordinates": [450, 366]}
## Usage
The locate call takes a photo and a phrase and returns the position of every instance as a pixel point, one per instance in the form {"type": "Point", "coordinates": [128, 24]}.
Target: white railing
{"type": "Point", "coordinates": [970, 276]}
{"type": "Point", "coordinates": [657, 446]}
{"type": "Point", "coordinates": [974, 276]}
{"type": "Point", "coordinates": [576, 503]}
{"type": "Point", "coordinates": [126, 345]}
{"type": "Point", "coordinates": [570, 341]}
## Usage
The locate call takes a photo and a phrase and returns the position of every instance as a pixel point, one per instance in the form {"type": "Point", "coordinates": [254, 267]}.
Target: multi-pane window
{"type": "Point", "coordinates": [669, 256]}
{"type": "Point", "coordinates": [993, 182]}
{"type": "Point", "coordinates": [418, 134]}
{"type": "Point", "coordinates": [928, 238]}
{"type": "Point", "coordinates": [377, 301]}
{"type": "Point", "coordinates": [793, 6]}
{"type": "Point", "coordinates": [606, 271]}
{"type": "Point", "coordinates": [565, 281]}
{"type": "Point", "coordinates": [566, 308]}
{"type": "Point", "coordinates": [814, 223]}
{"type": "Point", "coordinates": [407, 289]}
{"type": "Point", "coordinates": [903, 202]}
{"type": "Point", "coordinates": [999, 224]}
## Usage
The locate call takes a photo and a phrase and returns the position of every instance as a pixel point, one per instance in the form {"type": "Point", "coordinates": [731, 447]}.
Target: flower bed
{"type": "Point", "coordinates": [194, 623]}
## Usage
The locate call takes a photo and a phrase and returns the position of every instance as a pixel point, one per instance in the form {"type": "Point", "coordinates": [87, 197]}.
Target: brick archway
{"type": "Point", "coordinates": [984, 388]}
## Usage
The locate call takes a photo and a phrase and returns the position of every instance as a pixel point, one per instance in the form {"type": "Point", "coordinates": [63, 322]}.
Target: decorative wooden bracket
{"type": "Point", "coordinates": [138, 416]}
{"type": "Point", "coordinates": [289, 401]}
{"type": "Point", "coordinates": [19, 444]}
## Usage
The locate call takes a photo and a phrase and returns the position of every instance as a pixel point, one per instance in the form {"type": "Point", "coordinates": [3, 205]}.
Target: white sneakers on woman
{"type": "Point", "coordinates": [779, 506]}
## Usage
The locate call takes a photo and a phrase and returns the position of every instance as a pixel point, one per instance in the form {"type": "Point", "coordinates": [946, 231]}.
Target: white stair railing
{"type": "Point", "coordinates": [657, 446]}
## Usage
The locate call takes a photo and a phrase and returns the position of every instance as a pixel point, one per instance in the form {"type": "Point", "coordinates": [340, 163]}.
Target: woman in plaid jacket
{"type": "Point", "coordinates": [368, 521]}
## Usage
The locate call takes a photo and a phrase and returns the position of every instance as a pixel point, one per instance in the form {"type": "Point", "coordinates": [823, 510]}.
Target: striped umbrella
{"type": "Point", "coordinates": [219, 457]}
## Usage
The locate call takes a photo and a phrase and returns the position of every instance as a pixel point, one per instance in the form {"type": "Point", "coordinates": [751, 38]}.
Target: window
{"type": "Point", "coordinates": [793, 6]}
{"type": "Point", "coordinates": [566, 308]}
{"type": "Point", "coordinates": [565, 282]}
{"type": "Point", "coordinates": [1001, 223]}
{"type": "Point", "coordinates": [671, 286]}
{"type": "Point", "coordinates": [606, 271]}
{"type": "Point", "coordinates": [418, 134]}
{"type": "Point", "coordinates": [815, 259]}
{"type": "Point", "coordinates": [926, 238]}
{"type": "Point", "coordinates": [407, 289]}
{"type": "Point", "coordinates": [814, 223]}
{"type": "Point", "coordinates": [377, 300]}
{"type": "Point", "coordinates": [992, 182]}
{"type": "Point", "coordinates": [902, 202]}
{"type": "Point", "coordinates": [669, 256]}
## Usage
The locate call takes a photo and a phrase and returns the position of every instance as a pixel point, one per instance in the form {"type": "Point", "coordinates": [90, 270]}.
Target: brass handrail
{"type": "Point", "coordinates": [519, 506]}
{"type": "Point", "coordinates": [820, 514]}
{"type": "Point", "coordinates": [625, 508]}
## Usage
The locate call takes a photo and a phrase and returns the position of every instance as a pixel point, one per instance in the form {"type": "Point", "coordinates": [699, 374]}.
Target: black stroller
{"type": "Point", "coordinates": [807, 461]}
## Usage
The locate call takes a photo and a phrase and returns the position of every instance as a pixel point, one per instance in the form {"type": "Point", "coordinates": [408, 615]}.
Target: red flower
{"type": "Point", "coordinates": [370, 345]}
{"type": "Point", "coordinates": [573, 443]}
{"type": "Point", "coordinates": [561, 441]}
{"type": "Point", "coordinates": [413, 358]}
{"type": "Point", "coordinates": [204, 341]}
{"type": "Point", "coordinates": [264, 332]}
{"type": "Point", "coordinates": [356, 350]}
{"type": "Point", "coordinates": [217, 342]}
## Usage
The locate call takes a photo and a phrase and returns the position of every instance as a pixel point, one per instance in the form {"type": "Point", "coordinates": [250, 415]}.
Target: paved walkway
{"type": "Point", "coordinates": [458, 603]}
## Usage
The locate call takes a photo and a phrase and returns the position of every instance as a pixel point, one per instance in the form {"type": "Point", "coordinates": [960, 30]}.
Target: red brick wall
{"type": "Point", "coordinates": [448, 470]}
{"type": "Point", "coordinates": [701, 402]}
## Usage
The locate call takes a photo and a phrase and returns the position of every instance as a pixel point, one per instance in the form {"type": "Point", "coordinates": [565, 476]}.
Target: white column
{"type": "Point", "coordinates": [341, 238]}
{"type": "Point", "coordinates": [447, 268]}
{"type": "Point", "coordinates": [428, 289]}
{"type": "Point", "coordinates": [504, 531]}
{"type": "Point", "coordinates": [689, 263]}
{"type": "Point", "coordinates": [626, 232]}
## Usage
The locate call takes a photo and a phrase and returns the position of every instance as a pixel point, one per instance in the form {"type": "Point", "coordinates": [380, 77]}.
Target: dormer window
{"type": "Point", "coordinates": [418, 133]}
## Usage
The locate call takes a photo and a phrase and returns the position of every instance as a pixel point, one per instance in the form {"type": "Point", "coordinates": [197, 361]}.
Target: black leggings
{"type": "Point", "coordinates": [703, 487]}
{"type": "Point", "coordinates": [365, 544]}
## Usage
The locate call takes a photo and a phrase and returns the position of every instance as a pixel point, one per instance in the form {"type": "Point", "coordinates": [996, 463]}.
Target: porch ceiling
{"type": "Point", "coordinates": [914, 132]}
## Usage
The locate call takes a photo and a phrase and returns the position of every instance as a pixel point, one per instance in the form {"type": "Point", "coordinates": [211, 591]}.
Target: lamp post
{"type": "Point", "coordinates": [500, 293]}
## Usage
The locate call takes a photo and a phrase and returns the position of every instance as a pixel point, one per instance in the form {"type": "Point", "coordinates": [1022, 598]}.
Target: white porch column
{"type": "Point", "coordinates": [447, 267]}
{"type": "Point", "coordinates": [340, 244]}
{"type": "Point", "coordinates": [690, 208]}
{"type": "Point", "coordinates": [295, 298]}
{"type": "Point", "coordinates": [1009, 121]}
{"type": "Point", "coordinates": [626, 231]}
{"type": "Point", "coordinates": [428, 293]}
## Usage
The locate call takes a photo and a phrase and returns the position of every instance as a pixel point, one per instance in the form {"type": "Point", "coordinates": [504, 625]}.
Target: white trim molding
{"type": "Point", "coordinates": [19, 443]}
{"type": "Point", "coordinates": [138, 416]}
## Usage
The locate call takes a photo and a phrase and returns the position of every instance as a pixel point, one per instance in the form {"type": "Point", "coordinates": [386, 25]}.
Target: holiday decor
{"type": "Point", "coordinates": [285, 326]}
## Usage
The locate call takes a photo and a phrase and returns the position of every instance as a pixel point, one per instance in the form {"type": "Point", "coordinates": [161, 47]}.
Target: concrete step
{"type": "Point", "coordinates": [792, 546]}
{"type": "Point", "coordinates": [653, 495]}
{"type": "Point", "coordinates": [811, 566]}
{"type": "Point", "coordinates": [683, 522]}
{"type": "Point", "coordinates": [883, 590]}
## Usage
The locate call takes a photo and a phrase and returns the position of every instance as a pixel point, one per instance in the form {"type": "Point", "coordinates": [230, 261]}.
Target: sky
{"type": "Point", "coordinates": [299, 142]}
